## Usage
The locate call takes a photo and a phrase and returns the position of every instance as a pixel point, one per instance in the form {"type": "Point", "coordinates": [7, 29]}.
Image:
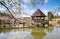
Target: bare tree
{"type": "Point", "coordinates": [6, 7]}
{"type": "Point", "coordinates": [56, 10]}
{"type": "Point", "coordinates": [18, 5]}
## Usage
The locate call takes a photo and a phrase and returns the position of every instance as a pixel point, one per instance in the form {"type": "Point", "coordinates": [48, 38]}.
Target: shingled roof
{"type": "Point", "coordinates": [39, 13]}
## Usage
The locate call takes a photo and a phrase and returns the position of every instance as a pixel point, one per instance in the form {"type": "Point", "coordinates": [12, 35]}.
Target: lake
{"type": "Point", "coordinates": [30, 33]}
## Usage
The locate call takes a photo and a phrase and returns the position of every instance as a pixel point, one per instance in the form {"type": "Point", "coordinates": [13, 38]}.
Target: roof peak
{"type": "Point", "coordinates": [39, 13]}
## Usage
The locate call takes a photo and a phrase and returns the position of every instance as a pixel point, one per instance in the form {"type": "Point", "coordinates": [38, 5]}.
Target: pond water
{"type": "Point", "coordinates": [30, 33]}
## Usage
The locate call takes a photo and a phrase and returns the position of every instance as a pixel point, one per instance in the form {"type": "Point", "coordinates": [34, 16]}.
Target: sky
{"type": "Point", "coordinates": [47, 5]}
{"type": "Point", "coordinates": [44, 5]}
{"type": "Point", "coordinates": [50, 6]}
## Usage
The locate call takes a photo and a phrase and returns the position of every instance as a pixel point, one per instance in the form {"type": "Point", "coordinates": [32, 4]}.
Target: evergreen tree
{"type": "Point", "coordinates": [50, 16]}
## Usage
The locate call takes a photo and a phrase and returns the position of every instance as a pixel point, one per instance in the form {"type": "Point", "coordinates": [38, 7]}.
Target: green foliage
{"type": "Point", "coordinates": [50, 16]}
{"type": "Point", "coordinates": [50, 25]}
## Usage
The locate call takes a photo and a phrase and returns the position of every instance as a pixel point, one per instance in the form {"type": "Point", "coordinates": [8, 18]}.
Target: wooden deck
{"type": "Point", "coordinates": [46, 22]}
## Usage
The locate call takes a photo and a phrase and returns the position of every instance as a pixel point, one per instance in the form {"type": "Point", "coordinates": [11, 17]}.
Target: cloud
{"type": "Point", "coordinates": [45, 1]}
{"type": "Point", "coordinates": [2, 8]}
{"type": "Point", "coordinates": [26, 0]}
{"type": "Point", "coordinates": [45, 12]}
{"type": "Point", "coordinates": [30, 12]}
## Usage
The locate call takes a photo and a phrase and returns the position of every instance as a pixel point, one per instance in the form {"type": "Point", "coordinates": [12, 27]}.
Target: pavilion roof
{"type": "Point", "coordinates": [38, 13]}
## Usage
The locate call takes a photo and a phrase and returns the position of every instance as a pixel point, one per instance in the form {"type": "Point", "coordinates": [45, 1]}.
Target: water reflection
{"type": "Point", "coordinates": [30, 33]}
{"type": "Point", "coordinates": [40, 32]}
{"type": "Point", "coordinates": [55, 34]}
{"type": "Point", "coordinates": [17, 34]}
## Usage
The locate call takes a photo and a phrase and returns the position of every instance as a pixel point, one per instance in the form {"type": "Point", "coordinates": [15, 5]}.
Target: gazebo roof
{"type": "Point", "coordinates": [38, 13]}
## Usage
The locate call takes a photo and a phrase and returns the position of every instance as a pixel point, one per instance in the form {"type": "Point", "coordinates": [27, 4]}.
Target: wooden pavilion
{"type": "Point", "coordinates": [39, 18]}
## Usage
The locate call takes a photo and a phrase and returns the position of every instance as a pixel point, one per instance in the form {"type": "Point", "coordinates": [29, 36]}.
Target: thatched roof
{"type": "Point", "coordinates": [38, 13]}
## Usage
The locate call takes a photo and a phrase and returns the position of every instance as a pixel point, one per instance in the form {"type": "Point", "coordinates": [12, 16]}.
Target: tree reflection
{"type": "Point", "coordinates": [40, 32]}
{"type": "Point", "coordinates": [33, 32]}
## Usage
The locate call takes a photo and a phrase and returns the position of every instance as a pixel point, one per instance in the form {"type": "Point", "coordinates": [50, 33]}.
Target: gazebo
{"type": "Point", "coordinates": [38, 17]}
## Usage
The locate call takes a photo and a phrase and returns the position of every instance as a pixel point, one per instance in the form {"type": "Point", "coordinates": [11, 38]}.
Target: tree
{"type": "Point", "coordinates": [50, 16]}
{"type": "Point", "coordinates": [56, 11]}
{"type": "Point", "coordinates": [17, 6]}
{"type": "Point", "coordinates": [6, 7]}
